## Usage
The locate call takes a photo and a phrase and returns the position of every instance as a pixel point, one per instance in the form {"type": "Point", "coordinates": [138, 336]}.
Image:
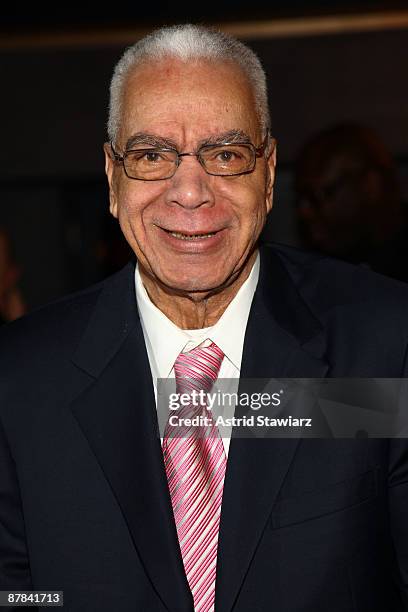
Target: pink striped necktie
{"type": "Point", "coordinates": [195, 468]}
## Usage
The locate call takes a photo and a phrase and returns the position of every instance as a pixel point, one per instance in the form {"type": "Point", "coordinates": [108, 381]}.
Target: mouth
{"type": "Point", "coordinates": [190, 236]}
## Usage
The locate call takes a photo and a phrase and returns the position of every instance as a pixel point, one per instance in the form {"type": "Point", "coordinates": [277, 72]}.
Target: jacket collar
{"type": "Point", "coordinates": [114, 316]}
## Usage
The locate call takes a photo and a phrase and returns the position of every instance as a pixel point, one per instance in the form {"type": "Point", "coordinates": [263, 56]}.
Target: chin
{"type": "Point", "coordinates": [193, 283]}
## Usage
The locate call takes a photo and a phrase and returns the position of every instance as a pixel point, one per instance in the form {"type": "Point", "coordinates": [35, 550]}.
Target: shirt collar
{"type": "Point", "coordinates": [229, 331]}
{"type": "Point", "coordinates": [165, 340]}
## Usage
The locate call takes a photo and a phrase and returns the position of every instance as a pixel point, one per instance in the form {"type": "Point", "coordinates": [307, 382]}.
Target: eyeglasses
{"type": "Point", "coordinates": [157, 163]}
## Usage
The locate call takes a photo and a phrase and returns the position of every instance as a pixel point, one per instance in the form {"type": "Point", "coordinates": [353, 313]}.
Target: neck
{"type": "Point", "coordinates": [195, 310]}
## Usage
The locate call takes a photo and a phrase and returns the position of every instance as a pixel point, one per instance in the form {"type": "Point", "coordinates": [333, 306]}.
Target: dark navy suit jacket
{"type": "Point", "coordinates": [317, 525]}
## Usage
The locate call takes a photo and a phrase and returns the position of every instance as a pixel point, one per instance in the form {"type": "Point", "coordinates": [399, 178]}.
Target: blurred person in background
{"type": "Point", "coordinates": [11, 301]}
{"type": "Point", "coordinates": [349, 201]}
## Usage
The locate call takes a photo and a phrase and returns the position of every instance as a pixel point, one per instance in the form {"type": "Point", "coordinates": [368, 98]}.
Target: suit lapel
{"type": "Point", "coordinates": [283, 339]}
{"type": "Point", "coordinates": [117, 415]}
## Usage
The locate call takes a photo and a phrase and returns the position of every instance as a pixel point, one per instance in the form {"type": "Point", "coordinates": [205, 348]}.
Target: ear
{"type": "Point", "coordinates": [271, 168]}
{"type": "Point", "coordinates": [109, 171]}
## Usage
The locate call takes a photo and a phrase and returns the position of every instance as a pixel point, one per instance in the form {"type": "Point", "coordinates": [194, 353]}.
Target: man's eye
{"type": "Point", "coordinates": [152, 156]}
{"type": "Point", "coordinates": [226, 156]}
{"type": "Point", "coordinates": [230, 155]}
{"type": "Point", "coordinates": [148, 156]}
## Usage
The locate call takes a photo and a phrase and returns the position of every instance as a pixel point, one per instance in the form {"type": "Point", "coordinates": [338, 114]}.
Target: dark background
{"type": "Point", "coordinates": [55, 74]}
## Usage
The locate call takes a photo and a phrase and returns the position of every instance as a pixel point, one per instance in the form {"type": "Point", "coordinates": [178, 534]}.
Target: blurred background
{"type": "Point", "coordinates": [339, 105]}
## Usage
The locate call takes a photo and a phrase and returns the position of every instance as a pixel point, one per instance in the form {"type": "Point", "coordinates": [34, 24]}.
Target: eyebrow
{"type": "Point", "coordinates": [144, 138]}
{"type": "Point", "coordinates": [230, 136]}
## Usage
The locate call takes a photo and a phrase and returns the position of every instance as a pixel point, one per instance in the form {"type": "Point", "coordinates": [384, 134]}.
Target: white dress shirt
{"type": "Point", "coordinates": [164, 340]}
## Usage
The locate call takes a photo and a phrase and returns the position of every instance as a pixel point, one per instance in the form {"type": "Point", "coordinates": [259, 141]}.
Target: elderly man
{"type": "Point", "coordinates": [94, 501]}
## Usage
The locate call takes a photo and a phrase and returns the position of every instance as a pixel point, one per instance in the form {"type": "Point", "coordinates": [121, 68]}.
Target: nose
{"type": "Point", "coordinates": [190, 186]}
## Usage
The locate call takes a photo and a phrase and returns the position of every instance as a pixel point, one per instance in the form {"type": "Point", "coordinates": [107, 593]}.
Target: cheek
{"type": "Point", "coordinates": [134, 206]}
{"type": "Point", "coordinates": [252, 208]}
{"type": "Point", "coordinates": [130, 217]}
{"type": "Point", "coordinates": [129, 213]}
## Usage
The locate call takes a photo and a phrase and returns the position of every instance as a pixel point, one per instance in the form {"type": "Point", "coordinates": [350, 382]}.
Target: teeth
{"type": "Point", "coordinates": [191, 237]}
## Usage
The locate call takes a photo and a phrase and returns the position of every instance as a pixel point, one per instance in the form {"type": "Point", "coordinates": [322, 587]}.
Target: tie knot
{"type": "Point", "coordinates": [198, 369]}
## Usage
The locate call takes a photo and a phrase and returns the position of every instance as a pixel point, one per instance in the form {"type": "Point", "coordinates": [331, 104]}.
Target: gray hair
{"type": "Point", "coordinates": [186, 42]}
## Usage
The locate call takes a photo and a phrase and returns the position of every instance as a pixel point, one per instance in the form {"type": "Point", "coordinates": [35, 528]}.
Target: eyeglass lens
{"type": "Point", "coordinates": [221, 160]}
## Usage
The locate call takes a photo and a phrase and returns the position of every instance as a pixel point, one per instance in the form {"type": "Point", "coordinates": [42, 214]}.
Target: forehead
{"type": "Point", "coordinates": [187, 100]}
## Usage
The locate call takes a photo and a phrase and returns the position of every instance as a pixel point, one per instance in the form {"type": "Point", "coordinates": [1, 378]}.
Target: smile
{"type": "Point", "coordinates": [182, 236]}
{"type": "Point", "coordinates": [189, 236]}
{"type": "Point", "coordinates": [192, 241]}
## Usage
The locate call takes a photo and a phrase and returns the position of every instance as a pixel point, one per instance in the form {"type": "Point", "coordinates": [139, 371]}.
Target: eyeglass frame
{"type": "Point", "coordinates": [258, 152]}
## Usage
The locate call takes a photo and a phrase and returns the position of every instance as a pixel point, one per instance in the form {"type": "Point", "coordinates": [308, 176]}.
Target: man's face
{"type": "Point", "coordinates": [192, 232]}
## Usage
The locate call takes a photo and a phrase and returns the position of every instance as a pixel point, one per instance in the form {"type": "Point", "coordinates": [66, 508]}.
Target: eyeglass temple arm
{"type": "Point", "coordinates": [116, 155]}
{"type": "Point", "coordinates": [259, 151]}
